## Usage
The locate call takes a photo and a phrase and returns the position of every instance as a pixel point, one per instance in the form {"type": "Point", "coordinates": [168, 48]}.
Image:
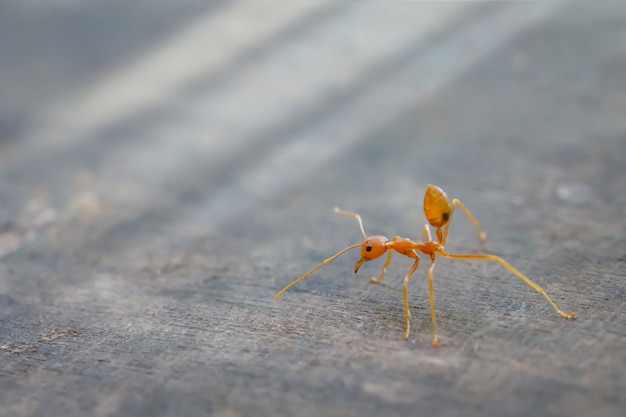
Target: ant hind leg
{"type": "Point", "coordinates": [407, 312]}
{"type": "Point", "coordinates": [482, 236]}
{"type": "Point", "coordinates": [517, 273]}
{"type": "Point", "coordinates": [433, 315]}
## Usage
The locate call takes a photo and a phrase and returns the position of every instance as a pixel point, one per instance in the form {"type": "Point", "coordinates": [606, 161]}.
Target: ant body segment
{"type": "Point", "coordinates": [438, 210]}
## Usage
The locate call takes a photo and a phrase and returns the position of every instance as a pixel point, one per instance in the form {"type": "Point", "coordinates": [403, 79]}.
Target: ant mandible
{"type": "Point", "coordinates": [438, 210]}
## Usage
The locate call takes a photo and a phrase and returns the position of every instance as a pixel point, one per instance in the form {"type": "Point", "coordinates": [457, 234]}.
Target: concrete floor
{"type": "Point", "coordinates": [164, 171]}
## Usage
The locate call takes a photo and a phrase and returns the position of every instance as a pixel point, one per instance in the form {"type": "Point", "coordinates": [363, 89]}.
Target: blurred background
{"type": "Point", "coordinates": [167, 167]}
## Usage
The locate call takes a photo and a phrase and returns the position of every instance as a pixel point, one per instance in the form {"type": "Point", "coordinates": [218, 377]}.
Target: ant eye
{"type": "Point", "coordinates": [368, 248]}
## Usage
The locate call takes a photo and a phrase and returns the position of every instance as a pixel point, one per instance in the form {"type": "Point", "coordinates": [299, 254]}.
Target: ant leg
{"type": "Point", "coordinates": [426, 234]}
{"type": "Point", "coordinates": [407, 312]}
{"type": "Point", "coordinates": [382, 273]}
{"type": "Point", "coordinates": [432, 301]}
{"type": "Point", "coordinates": [517, 273]}
{"type": "Point", "coordinates": [482, 236]}
{"type": "Point", "coordinates": [337, 210]}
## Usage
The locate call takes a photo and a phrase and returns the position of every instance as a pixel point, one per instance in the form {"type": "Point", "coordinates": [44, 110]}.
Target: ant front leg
{"type": "Point", "coordinates": [426, 237]}
{"type": "Point", "coordinates": [387, 262]}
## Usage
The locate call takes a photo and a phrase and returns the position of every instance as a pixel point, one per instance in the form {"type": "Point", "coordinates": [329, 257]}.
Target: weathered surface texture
{"type": "Point", "coordinates": [164, 172]}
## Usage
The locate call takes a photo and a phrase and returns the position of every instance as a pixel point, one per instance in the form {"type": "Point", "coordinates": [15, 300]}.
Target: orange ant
{"type": "Point", "coordinates": [438, 210]}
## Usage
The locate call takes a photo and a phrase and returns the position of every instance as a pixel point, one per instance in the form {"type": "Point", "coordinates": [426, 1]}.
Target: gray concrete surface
{"type": "Point", "coordinates": [166, 169]}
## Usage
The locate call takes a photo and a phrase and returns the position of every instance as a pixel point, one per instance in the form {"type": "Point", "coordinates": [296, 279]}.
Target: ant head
{"type": "Point", "coordinates": [372, 248]}
{"type": "Point", "coordinates": [436, 206]}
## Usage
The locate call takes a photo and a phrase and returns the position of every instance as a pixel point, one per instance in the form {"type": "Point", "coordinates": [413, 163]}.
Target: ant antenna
{"type": "Point", "coordinates": [351, 214]}
{"type": "Point", "coordinates": [327, 261]}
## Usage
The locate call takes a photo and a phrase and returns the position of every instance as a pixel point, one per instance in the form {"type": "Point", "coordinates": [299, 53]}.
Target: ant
{"type": "Point", "coordinates": [438, 210]}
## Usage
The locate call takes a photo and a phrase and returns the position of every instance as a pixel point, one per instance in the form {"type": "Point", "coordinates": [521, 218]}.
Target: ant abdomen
{"type": "Point", "coordinates": [436, 206]}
